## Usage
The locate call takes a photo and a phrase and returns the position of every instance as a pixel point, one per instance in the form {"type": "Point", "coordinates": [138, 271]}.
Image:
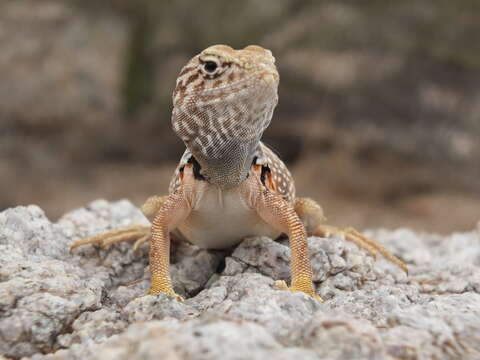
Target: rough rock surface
{"type": "Point", "coordinates": [88, 305]}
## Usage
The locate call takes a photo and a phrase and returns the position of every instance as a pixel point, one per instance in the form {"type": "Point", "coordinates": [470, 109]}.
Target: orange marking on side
{"type": "Point", "coordinates": [271, 184]}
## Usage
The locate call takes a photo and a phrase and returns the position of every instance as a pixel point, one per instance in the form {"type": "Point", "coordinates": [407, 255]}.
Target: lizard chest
{"type": "Point", "coordinates": [221, 220]}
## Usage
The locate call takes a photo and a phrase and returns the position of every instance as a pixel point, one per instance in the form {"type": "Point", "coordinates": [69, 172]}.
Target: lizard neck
{"type": "Point", "coordinates": [231, 167]}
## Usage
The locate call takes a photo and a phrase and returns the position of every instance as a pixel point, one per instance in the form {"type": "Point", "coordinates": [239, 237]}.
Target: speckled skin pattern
{"type": "Point", "coordinates": [228, 184]}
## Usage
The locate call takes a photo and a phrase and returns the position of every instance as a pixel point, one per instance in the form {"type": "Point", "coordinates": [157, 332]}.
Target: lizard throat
{"type": "Point", "coordinates": [230, 166]}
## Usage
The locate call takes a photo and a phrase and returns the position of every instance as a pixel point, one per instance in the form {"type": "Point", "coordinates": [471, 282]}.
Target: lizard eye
{"type": "Point", "coordinates": [210, 67]}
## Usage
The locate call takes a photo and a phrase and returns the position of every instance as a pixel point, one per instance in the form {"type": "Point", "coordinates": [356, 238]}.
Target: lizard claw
{"type": "Point", "coordinates": [170, 292]}
{"type": "Point", "coordinates": [282, 285]}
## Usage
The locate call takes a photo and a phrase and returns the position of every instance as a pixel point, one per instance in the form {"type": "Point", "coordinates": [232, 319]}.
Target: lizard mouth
{"type": "Point", "coordinates": [268, 78]}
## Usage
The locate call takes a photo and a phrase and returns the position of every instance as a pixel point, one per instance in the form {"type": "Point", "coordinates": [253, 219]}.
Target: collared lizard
{"type": "Point", "coordinates": [228, 184]}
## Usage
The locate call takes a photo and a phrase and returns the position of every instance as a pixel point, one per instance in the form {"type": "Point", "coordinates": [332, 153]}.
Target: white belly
{"type": "Point", "coordinates": [222, 220]}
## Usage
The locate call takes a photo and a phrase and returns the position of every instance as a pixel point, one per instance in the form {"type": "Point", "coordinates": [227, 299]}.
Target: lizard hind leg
{"type": "Point", "coordinates": [134, 232]}
{"type": "Point", "coordinates": [138, 233]}
{"type": "Point", "coordinates": [311, 214]}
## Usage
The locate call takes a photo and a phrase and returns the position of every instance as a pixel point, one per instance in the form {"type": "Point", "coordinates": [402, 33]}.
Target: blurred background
{"type": "Point", "coordinates": [379, 113]}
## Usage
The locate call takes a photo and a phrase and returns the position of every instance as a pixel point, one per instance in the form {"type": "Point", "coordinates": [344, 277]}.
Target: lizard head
{"type": "Point", "coordinates": [222, 103]}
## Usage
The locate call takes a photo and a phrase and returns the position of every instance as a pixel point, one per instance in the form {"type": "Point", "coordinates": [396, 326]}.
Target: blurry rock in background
{"type": "Point", "coordinates": [379, 113]}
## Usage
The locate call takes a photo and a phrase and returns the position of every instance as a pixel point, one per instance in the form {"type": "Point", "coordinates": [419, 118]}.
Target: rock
{"type": "Point", "coordinates": [192, 268]}
{"type": "Point", "coordinates": [203, 338]}
{"type": "Point", "coordinates": [96, 325]}
{"type": "Point", "coordinates": [442, 327]}
{"type": "Point", "coordinates": [89, 304]}
{"type": "Point", "coordinates": [278, 311]}
{"type": "Point", "coordinates": [159, 306]}
{"type": "Point", "coordinates": [340, 337]}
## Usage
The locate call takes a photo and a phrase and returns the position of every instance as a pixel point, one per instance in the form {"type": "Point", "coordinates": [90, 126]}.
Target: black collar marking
{"type": "Point", "coordinates": [198, 176]}
{"type": "Point", "coordinates": [196, 168]}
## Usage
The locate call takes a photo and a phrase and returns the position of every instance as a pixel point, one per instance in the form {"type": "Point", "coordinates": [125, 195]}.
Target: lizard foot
{"type": "Point", "coordinates": [362, 241]}
{"type": "Point", "coordinates": [164, 290]}
{"type": "Point", "coordinates": [140, 233]}
{"type": "Point", "coordinates": [282, 285]}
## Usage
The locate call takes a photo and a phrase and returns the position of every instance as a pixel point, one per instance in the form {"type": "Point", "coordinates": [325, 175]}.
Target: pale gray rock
{"type": "Point", "coordinates": [96, 325]}
{"type": "Point", "coordinates": [251, 252]}
{"type": "Point", "coordinates": [202, 339]}
{"type": "Point", "coordinates": [342, 337]}
{"type": "Point", "coordinates": [192, 268]}
{"type": "Point", "coordinates": [280, 312]}
{"type": "Point", "coordinates": [44, 289]}
{"type": "Point", "coordinates": [442, 327]}
{"type": "Point", "coordinates": [40, 295]}
{"type": "Point", "coordinates": [159, 306]}
{"type": "Point", "coordinates": [91, 304]}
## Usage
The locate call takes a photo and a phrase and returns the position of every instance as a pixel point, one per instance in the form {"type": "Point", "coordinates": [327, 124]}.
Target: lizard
{"type": "Point", "coordinates": [228, 184]}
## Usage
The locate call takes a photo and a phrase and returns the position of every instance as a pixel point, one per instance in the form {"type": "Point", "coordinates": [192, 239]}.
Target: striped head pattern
{"type": "Point", "coordinates": [222, 103]}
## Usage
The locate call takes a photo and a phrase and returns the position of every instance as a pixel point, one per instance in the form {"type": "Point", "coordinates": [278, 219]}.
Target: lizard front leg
{"type": "Point", "coordinates": [281, 215]}
{"type": "Point", "coordinates": [174, 210]}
